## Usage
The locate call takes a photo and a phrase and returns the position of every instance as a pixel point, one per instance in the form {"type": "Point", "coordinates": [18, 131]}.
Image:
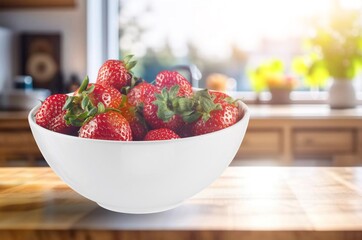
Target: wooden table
{"type": "Point", "coordinates": [244, 203]}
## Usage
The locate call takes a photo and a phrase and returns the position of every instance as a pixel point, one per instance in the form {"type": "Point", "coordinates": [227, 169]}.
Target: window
{"type": "Point", "coordinates": [219, 36]}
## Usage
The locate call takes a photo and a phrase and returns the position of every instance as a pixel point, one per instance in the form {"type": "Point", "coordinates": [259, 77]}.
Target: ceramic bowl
{"type": "Point", "coordinates": [140, 177]}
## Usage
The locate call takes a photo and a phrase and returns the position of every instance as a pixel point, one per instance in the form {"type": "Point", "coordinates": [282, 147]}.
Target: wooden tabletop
{"type": "Point", "coordinates": [244, 203]}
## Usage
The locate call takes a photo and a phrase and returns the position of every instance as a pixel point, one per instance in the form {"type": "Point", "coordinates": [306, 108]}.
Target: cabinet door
{"type": "Point", "coordinates": [17, 143]}
{"type": "Point", "coordinates": [324, 141]}
{"type": "Point", "coordinates": [261, 143]}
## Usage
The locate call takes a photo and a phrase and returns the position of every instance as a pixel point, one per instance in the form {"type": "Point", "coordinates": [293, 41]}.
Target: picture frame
{"type": "Point", "coordinates": [40, 58]}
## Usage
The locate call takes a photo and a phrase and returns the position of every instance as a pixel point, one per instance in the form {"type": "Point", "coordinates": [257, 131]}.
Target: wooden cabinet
{"type": "Point", "coordinates": [289, 132]}
{"type": "Point", "coordinates": [259, 142]}
{"type": "Point", "coordinates": [16, 139]}
{"type": "Point", "coordinates": [321, 142]}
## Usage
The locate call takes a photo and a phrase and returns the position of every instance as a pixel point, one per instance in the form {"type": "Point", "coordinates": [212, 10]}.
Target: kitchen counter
{"type": "Point", "coordinates": [245, 202]}
{"type": "Point", "coordinates": [260, 111]}
{"type": "Point", "coordinates": [279, 132]}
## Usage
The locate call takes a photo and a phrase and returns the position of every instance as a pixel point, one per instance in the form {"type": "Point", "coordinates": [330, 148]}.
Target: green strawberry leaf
{"type": "Point", "coordinates": [131, 65]}
{"type": "Point", "coordinates": [92, 112]}
{"type": "Point", "coordinates": [76, 122]}
{"type": "Point", "coordinates": [206, 117]}
{"type": "Point", "coordinates": [82, 116]}
{"type": "Point", "coordinates": [127, 58]}
{"type": "Point", "coordinates": [164, 113]}
{"type": "Point", "coordinates": [183, 105]}
{"type": "Point", "coordinates": [85, 102]}
{"type": "Point", "coordinates": [174, 91]}
{"type": "Point", "coordinates": [84, 84]}
{"type": "Point", "coordinates": [68, 103]}
{"type": "Point", "coordinates": [89, 90]}
{"type": "Point", "coordinates": [101, 107]}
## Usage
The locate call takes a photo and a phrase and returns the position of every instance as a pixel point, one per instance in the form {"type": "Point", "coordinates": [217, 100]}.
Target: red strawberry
{"type": "Point", "coordinates": [116, 73]}
{"type": "Point", "coordinates": [135, 120]}
{"type": "Point", "coordinates": [107, 126]}
{"type": "Point", "coordinates": [152, 116]}
{"type": "Point", "coordinates": [166, 110]}
{"type": "Point", "coordinates": [220, 97]}
{"type": "Point", "coordinates": [142, 93]}
{"type": "Point", "coordinates": [50, 115]}
{"type": "Point", "coordinates": [219, 119]}
{"type": "Point", "coordinates": [109, 96]}
{"type": "Point", "coordinates": [185, 131]}
{"type": "Point", "coordinates": [89, 100]}
{"type": "Point", "coordinates": [169, 79]}
{"type": "Point", "coordinates": [161, 134]}
{"type": "Point", "coordinates": [223, 115]}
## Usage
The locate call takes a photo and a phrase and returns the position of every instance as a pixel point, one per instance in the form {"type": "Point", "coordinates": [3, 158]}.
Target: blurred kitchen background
{"type": "Point", "coordinates": [297, 64]}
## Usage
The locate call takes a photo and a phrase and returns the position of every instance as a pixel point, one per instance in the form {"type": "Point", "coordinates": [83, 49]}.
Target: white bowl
{"type": "Point", "coordinates": [140, 177]}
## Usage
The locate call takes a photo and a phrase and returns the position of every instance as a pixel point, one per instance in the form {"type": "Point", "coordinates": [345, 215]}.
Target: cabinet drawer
{"type": "Point", "coordinates": [261, 142]}
{"type": "Point", "coordinates": [16, 138]}
{"type": "Point", "coordinates": [323, 142]}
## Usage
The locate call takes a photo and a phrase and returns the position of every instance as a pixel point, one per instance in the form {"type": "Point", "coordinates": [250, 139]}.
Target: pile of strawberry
{"type": "Point", "coordinates": [120, 106]}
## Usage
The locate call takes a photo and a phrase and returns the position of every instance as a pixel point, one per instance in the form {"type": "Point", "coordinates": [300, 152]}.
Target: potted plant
{"type": "Point", "coordinates": [338, 41]}
{"type": "Point", "coordinates": [270, 75]}
{"type": "Point", "coordinates": [312, 70]}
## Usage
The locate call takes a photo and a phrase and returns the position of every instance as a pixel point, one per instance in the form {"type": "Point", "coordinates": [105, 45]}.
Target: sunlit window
{"type": "Point", "coordinates": [221, 36]}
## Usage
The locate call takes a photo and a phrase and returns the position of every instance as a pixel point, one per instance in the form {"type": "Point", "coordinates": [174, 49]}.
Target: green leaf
{"type": "Point", "coordinates": [203, 94]}
{"type": "Point", "coordinates": [89, 90]}
{"type": "Point", "coordinates": [85, 102]}
{"type": "Point", "coordinates": [184, 105]}
{"type": "Point", "coordinates": [299, 66]}
{"type": "Point", "coordinates": [276, 66]}
{"type": "Point", "coordinates": [131, 65]}
{"type": "Point", "coordinates": [159, 97]}
{"type": "Point", "coordinates": [76, 122]}
{"type": "Point", "coordinates": [206, 117]}
{"type": "Point", "coordinates": [68, 103]}
{"type": "Point", "coordinates": [164, 93]}
{"type": "Point", "coordinates": [190, 118]}
{"type": "Point", "coordinates": [127, 58]}
{"type": "Point", "coordinates": [174, 91]}
{"type": "Point", "coordinates": [92, 112]}
{"type": "Point", "coordinates": [82, 116]}
{"type": "Point", "coordinates": [84, 84]}
{"type": "Point", "coordinates": [207, 105]}
{"type": "Point", "coordinates": [101, 107]}
{"type": "Point", "coordinates": [164, 113]}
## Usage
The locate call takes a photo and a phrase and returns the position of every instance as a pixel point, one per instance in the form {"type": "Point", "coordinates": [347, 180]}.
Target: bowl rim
{"type": "Point", "coordinates": [244, 117]}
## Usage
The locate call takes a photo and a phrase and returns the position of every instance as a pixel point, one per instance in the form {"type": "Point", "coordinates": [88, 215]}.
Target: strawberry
{"type": "Point", "coordinates": [163, 112]}
{"type": "Point", "coordinates": [185, 130]}
{"type": "Point", "coordinates": [168, 79]}
{"type": "Point", "coordinates": [109, 96]}
{"type": "Point", "coordinates": [152, 113]}
{"type": "Point", "coordinates": [109, 125]}
{"type": "Point", "coordinates": [219, 119]}
{"type": "Point", "coordinates": [134, 118]}
{"type": "Point", "coordinates": [220, 97]}
{"type": "Point", "coordinates": [89, 100]}
{"type": "Point", "coordinates": [116, 73]}
{"type": "Point", "coordinates": [50, 115]}
{"type": "Point", "coordinates": [142, 93]}
{"type": "Point", "coordinates": [221, 115]}
{"type": "Point", "coordinates": [161, 134]}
